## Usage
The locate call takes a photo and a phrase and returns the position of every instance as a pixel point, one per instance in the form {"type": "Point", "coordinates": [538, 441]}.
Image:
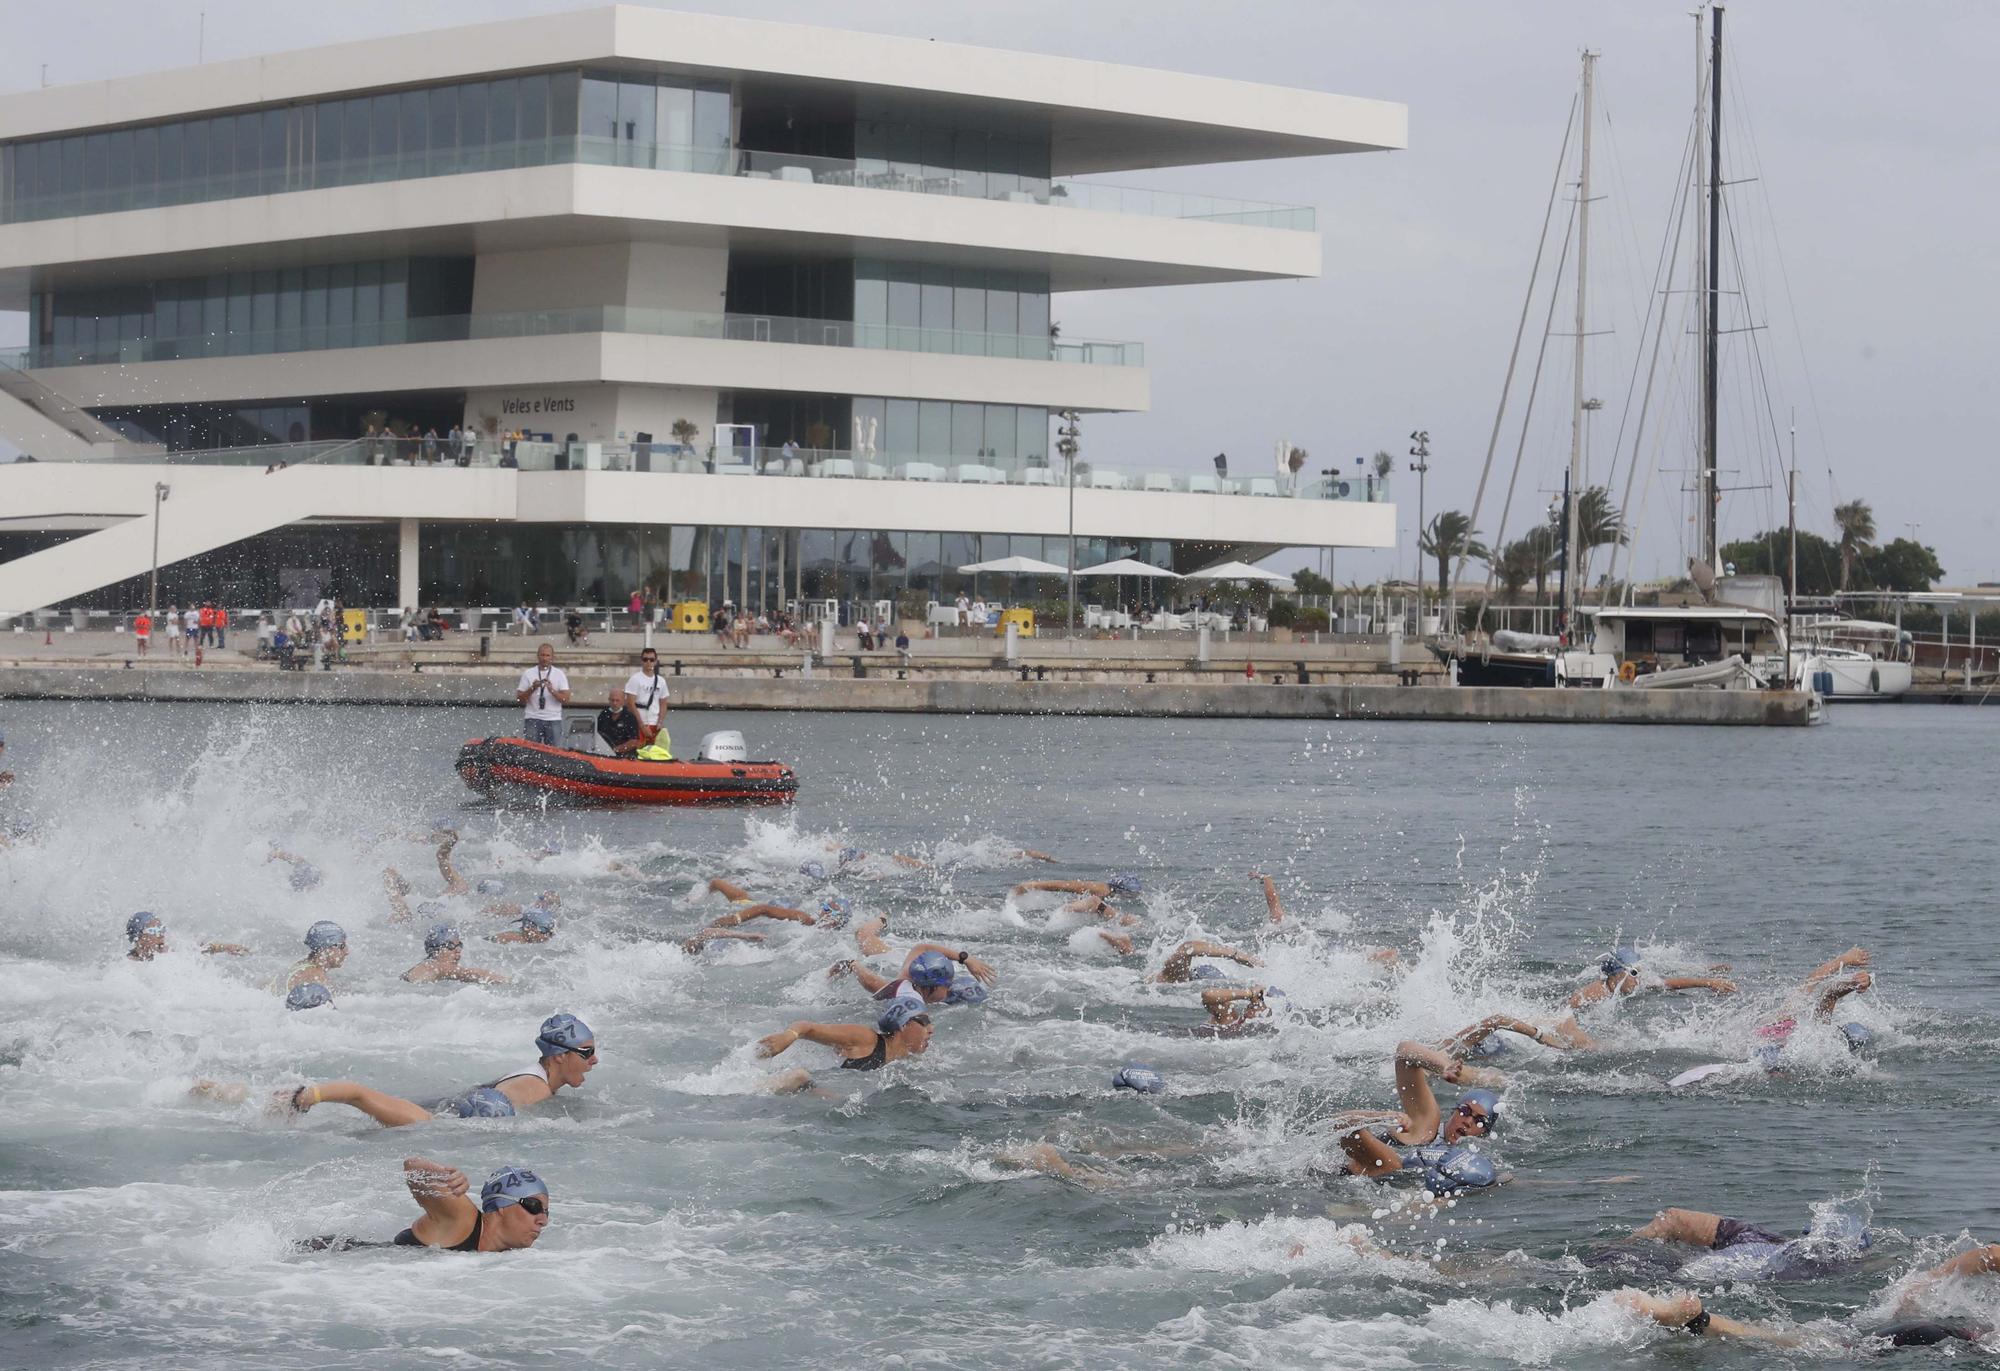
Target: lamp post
{"type": "Point", "coordinates": [1421, 450]}
{"type": "Point", "coordinates": [161, 490]}
{"type": "Point", "coordinates": [1067, 444]}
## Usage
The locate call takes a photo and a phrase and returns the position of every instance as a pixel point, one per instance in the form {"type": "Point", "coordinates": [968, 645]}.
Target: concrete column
{"type": "Point", "coordinates": [406, 564]}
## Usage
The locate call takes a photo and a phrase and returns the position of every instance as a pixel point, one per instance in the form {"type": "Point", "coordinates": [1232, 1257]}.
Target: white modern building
{"type": "Point", "coordinates": [719, 307]}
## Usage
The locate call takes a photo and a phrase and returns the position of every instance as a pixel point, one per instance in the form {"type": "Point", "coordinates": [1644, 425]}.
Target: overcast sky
{"type": "Point", "coordinates": [1875, 133]}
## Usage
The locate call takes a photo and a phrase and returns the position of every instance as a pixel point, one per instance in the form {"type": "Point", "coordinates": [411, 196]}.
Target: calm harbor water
{"type": "Point", "coordinates": [699, 1222]}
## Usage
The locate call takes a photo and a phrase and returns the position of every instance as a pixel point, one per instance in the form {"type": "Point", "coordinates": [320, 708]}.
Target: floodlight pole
{"type": "Point", "coordinates": [160, 492]}
{"type": "Point", "coordinates": [1068, 446]}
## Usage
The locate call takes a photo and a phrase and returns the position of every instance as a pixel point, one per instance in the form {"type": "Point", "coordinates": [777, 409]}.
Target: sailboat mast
{"type": "Point", "coordinates": [1711, 493]}
{"type": "Point", "coordinates": [1572, 488]}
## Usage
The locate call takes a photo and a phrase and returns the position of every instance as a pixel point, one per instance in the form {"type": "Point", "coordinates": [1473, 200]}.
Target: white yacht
{"type": "Point", "coordinates": [1856, 659]}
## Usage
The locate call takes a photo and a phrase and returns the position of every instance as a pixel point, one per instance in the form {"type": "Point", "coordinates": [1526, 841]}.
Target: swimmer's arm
{"type": "Point", "coordinates": [442, 1192]}
{"type": "Point", "coordinates": [1589, 994]}
{"type": "Point", "coordinates": [694, 943]}
{"type": "Point", "coordinates": [729, 890]}
{"type": "Point", "coordinates": [1034, 856]}
{"type": "Point", "coordinates": [1064, 887]}
{"type": "Point", "coordinates": [766, 911]}
{"type": "Point", "coordinates": [1462, 1043]}
{"type": "Point", "coordinates": [981, 972]}
{"type": "Point", "coordinates": [849, 1039]}
{"type": "Point", "coordinates": [1716, 983]}
{"type": "Point", "coordinates": [869, 981]}
{"type": "Point", "coordinates": [914, 863]}
{"type": "Point", "coordinates": [454, 884]}
{"type": "Point", "coordinates": [1853, 957]}
{"type": "Point", "coordinates": [423, 973]}
{"type": "Point", "coordinates": [1217, 1001]}
{"type": "Point", "coordinates": [1270, 896]}
{"type": "Point", "coordinates": [225, 949]}
{"type": "Point", "coordinates": [1839, 991]}
{"type": "Point", "coordinates": [504, 909]}
{"type": "Point", "coordinates": [478, 976]}
{"type": "Point", "coordinates": [278, 854]}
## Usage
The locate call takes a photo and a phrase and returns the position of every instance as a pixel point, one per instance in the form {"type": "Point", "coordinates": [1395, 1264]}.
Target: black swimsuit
{"type": "Point", "coordinates": [408, 1238]}
{"type": "Point", "coordinates": [874, 1061]}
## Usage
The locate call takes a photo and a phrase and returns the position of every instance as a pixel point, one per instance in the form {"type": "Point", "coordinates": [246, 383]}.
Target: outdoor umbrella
{"type": "Point", "coordinates": [1239, 571]}
{"type": "Point", "coordinates": [1125, 566]}
{"type": "Point", "coordinates": [1012, 565]}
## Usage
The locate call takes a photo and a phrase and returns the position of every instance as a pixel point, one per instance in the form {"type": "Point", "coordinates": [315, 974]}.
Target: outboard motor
{"type": "Point", "coordinates": [724, 745]}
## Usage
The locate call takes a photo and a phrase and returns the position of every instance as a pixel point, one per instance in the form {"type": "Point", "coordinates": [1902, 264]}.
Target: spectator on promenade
{"type": "Point", "coordinates": [431, 446]}
{"type": "Point", "coordinates": [191, 627]}
{"type": "Point", "coordinates": [173, 627]}
{"type": "Point", "coordinates": [142, 631]}
{"type": "Point", "coordinates": [221, 626]}
{"type": "Point", "coordinates": [205, 621]}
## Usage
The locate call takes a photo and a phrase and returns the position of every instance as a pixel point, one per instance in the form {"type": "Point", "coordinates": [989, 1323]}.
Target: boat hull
{"type": "Point", "coordinates": [1512, 669]}
{"type": "Point", "coordinates": [514, 769]}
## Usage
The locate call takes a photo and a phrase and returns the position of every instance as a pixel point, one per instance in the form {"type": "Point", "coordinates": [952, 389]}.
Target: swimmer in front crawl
{"type": "Point", "coordinates": [1230, 1008]}
{"type": "Point", "coordinates": [326, 950]}
{"type": "Point", "coordinates": [1755, 1250]}
{"type": "Point", "coordinates": [929, 976]}
{"type": "Point", "coordinates": [534, 926]}
{"type": "Point", "coordinates": [1179, 968]}
{"type": "Point", "coordinates": [513, 1209]}
{"type": "Point", "coordinates": [902, 1031]}
{"type": "Point", "coordinates": [305, 876]}
{"type": "Point", "coordinates": [568, 1054]}
{"type": "Point", "coordinates": [1620, 975]}
{"type": "Point", "coordinates": [454, 883]}
{"type": "Point", "coordinates": [1123, 884]}
{"type": "Point", "coordinates": [1420, 1137]}
{"type": "Point", "coordinates": [548, 901]}
{"type": "Point", "coordinates": [148, 936]}
{"type": "Point", "coordinates": [442, 950]}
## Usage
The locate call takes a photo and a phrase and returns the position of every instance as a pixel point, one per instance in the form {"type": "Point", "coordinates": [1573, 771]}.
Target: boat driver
{"type": "Point", "coordinates": [619, 725]}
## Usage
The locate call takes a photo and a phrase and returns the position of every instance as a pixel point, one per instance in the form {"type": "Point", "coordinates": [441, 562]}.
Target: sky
{"type": "Point", "coordinates": [1864, 136]}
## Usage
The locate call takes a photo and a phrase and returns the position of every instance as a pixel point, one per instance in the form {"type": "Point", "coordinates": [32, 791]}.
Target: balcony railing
{"type": "Point", "coordinates": [768, 463]}
{"type": "Point", "coordinates": [746, 162]}
{"type": "Point", "coordinates": [755, 328]}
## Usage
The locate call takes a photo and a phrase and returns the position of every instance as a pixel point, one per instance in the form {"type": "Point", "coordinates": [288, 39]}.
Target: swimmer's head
{"type": "Point", "coordinates": [537, 925]}
{"type": "Point", "coordinates": [1491, 1046]}
{"type": "Point", "coordinates": [491, 885]}
{"type": "Point", "coordinates": [305, 876]}
{"type": "Point", "coordinates": [1124, 883]}
{"type": "Point", "coordinates": [1849, 1232]}
{"type": "Point", "coordinates": [1476, 1116]}
{"type": "Point", "coordinates": [902, 1017]}
{"type": "Point", "coordinates": [326, 936]}
{"type": "Point", "coordinates": [965, 990]}
{"type": "Point", "coordinates": [308, 995]}
{"type": "Point", "coordinates": [564, 1035]}
{"type": "Point", "coordinates": [1462, 1168]}
{"type": "Point", "coordinates": [1859, 1036]}
{"type": "Point", "coordinates": [440, 938]}
{"type": "Point", "coordinates": [1140, 1077]}
{"type": "Point", "coordinates": [1623, 961]}
{"type": "Point", "coordinates": [445, 826]}
{"type": "Point", "coordinates": [834, 912]}
{"type": "Point", "coordinates": [851, 855]}
{"type": "Point", "coordinates": [931, 971]}
{"type": "Point", "coordinates": [483, 1103]}
{"type": "Point", "coordinates": [509, 1186]}
{"type": "Point", "coordinates": [1205, 972]}
{"type": "Point", "coordinates": [813, 869]}
{"type": "Point", "coordinates": [144, 924]}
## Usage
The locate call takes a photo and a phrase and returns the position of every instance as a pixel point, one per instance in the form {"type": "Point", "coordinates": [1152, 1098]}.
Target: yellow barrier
{"type": "Point", "coordinates": [354, 625]}
{"type": "Point", "coordinates": [689, 616]}
{"type": "Point", "coordinates": [1024, 617]}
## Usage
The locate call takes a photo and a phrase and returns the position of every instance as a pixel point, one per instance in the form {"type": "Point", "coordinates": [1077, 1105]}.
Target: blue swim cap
{"type": "Point", "coordinates": [851, 854]}
{"type": "Point", "coordinates": [833, 912]}
{"type": "Point", "coordinates": [443, 936]}
{"type": "Point", "coordinates": [814, 869]}
{"type": "Point", "coordinates": [1858, 1035]}
{"type": "Point", "coordinates": [965, 990]}
{"type": "Point", "coordinates": [1622, 961]}
{"type": "Point", "coordinates": [1768, 1056]}
{"type": "Point", "coordinates": [308, 995]}
{"type": "Point", "coordinates": [1462, 1168]}
{"type": "Point", "coordinates": [899, 1013]}
{"type": "Point", "coordinates": [1271, 990]}
{"type": "Point", "coordinates": [1125, 883]}
{"type": "Point", "coordinates": [304, 876]}
{"type": "Point", "coordinates": [509, 1185]}
{"type": "Point", "coordinates": [324, 934]}
{"type": "Point", "coordinates": [931, 969]}
{"type": "Point", "coordinates": [1487, 1100]}
{"type": "Point", "coordinates": [432, 909]}
{"type": "Point", "coordinates": [483, 1103]}
{"type": "Point", "coordinates": [560, 1033]}
{"type": "Point", "coordinates": [1140, 1077]}
{"type": "Point", "coordinates": [1491, 1046]}
{"type": "Point", "coordinates": [142, 923]}
{"type": "Point", "coordinates": [491, 885]}
{"type": "Point", "coordinates": [540, 920]}
{"type": "Point", "coordinates": [1206, 973]}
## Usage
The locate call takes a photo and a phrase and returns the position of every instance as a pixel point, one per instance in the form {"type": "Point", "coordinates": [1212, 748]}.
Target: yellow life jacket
{"type": "Point", "coordinates": [661, 749]}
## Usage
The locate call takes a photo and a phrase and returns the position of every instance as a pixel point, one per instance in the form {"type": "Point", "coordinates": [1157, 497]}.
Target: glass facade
{"type": "Point", "coordinates": [355, 562]}
{"type": "Point", "coordinates": [1005, 436]}
{"type": "Point", "coordinates": [905, 297]}
{"type": "Point", "coordinates": [515, 121]}
{"type": "Point", "coordinates": [339, 304]}
{"type": "Point", "coordinates": [198, 426]}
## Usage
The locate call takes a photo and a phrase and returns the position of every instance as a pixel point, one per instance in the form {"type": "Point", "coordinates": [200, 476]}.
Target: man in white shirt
{"type": "Point", "coordinates": [647, 690]}
{"type": "Point", "coordinates": [543, 691]}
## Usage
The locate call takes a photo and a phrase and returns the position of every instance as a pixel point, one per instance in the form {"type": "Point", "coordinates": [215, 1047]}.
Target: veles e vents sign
{"type": "Point", "coordinates": [548, 404]}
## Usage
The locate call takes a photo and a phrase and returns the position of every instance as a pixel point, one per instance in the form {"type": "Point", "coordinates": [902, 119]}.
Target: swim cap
{"type": "Point", "coordinates": [491, 885]}
{"type": "Point", "coordinates": [814, 869]}
{"type": "Point", "coordinates": [304, 876]}
{"type": "Point", "coordinates": [509, 1185]}
{"type": "Point", "coordinates": [1125, 883]}
{"type": "Point", "coordinates": [931, 969]}
{"type": "Point", "coordinates": [324, 934]}
{"type": "Point", "coordinates": [1858, 1035]}
{"type": "Point", "coordinates": [308, 995]}
{"type": "Point", "coordinates": [833, 912]}
{"type": "Point", "coordinates": [443, 936]}
{"type": "Point", "coordinates": [1271, 990]}
{"type": "Point", "coordinates": [560, 1033]}
{"type": "Point", "coordinates": [540, 920]}
{"type": "Point", "coordinates": [1462, 1168]}
{"type": "Point", "coordinates": [1488, 1101]}
{"type": "Point", "coordinates": [899, 1013]}
{"type": "Point", "coordinates": [483, 1103]}
{"type": "Point", "coordinates": [141, 924]}
{"type": "Point", "coordinates": [1206, 973]}
{"type": "Point", "coordinates": [1140, 1077]}
{"type": "Point", "coordinates": [965, 990]}
{"type": "Point", "coordinates": [432, 909]}
{"type": "Point", "coordinates": [1491, 1046]}
{"type": "Point", "coordinates": [851, 854]}
{"type": "Point", "coordinates": [1622, 961]}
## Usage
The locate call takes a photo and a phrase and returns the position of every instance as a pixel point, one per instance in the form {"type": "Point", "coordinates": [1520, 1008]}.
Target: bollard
{"type": "Point", "coordinates": [1201, 652]}
{"type": "Point", "coordinates": [485, 645]}
{"type": "Point", "coordinates": [826, 638]}
{"type": "Point", "coordinates": [860, 668]}
{"type": "Point", "coordinates": [1024, 673]}
{"type": "Point", "coordinates": [1395, 647]}
{"type": "Point", "coordinates": [1299, 670]}
{"type": "Point", "coordinates": [1249, 671]}
{"type": "Point", "coordinates": [806, 667]}
{"type": "Point", "coordinates": [677, 666]}
{"type": "Point", "coordinates": [1013, 641]}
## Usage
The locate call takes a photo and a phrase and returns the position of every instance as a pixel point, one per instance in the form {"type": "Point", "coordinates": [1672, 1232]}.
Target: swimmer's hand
{"type": "Point", "coordinates": [840, 968]}
{"type": "Point", "coordinates": [777, 1042]}
{"type": "Point", "coordinates": [981, 972]}
{"type": "Point", "coordinates": [225, 949]}
{"type": "Point", "coordinates": [426, 1177]}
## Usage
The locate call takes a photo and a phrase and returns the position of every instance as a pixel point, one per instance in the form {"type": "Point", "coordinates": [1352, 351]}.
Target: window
{"type": "Point", "coordinates": [326, 143]}
{"type": "Point", "coordinates": [598, 121]}
{"type": "Point", "coordinates": [272, 123]}
{"type": "Point", "coordinates": [674, 127]}
{"type": "Point", "coordinates": [563, 95]}
{"type": "Point", "coordinates": [534, 130]}
{"type": "Point", "coordinates": [395, 296]}
{"type": "Point", "coordinates": [354, 141]}
{"type": "Point", "coordinates": [472, 127]}
{"type": "Point", "coordinates": [145, 164]}
{"type": "Point", "coordinates": [933, 428]}
{"type": "Point", "coordinates": [382, 120]}
{"type": "Point", "coordinates": [711, 130]}
{"type": "Point", "coordinates": [246, 137]}
{"type": "Point", "coordinates": [968, 310]}
{"type": "Point", "coordinates": [72, 166]}
{"type": "Point", "coordinates": [1002, 438]}
{"type": "Point", "coordinates": [413, 120]}
{"type": "Point", "coordinates": [96, 166]}
{"type": "Point", "coordinates": [635, 123]}
{"type": "Point", "coordinates": [291, 302]}
{"type": "Point", "coordinates": [441, 128]}
{"type": "Point", "coordinates": [503, 115]}
{"type": "Point", "coordinates": [936, 303]}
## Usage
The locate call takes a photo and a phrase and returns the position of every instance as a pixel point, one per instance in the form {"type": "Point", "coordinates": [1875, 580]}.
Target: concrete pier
{"type": "Point", "coordinates": [1240, 699]}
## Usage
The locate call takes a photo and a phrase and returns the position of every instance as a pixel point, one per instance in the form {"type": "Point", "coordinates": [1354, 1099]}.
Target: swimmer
{"type": "Point", "coordinates": [901, 1031]}
{"type": "Point", "coordinates": [833, 914]}
{"type": "Point", "coordinates": [730, 891]}
{"type": "Point", "coordinates": [1830, 991]}
{"type": "Point", "coordinates": [442, 950]}
{"type": "Point", "coordinates": [1180, 964]}
{"type": "Point", "coordinates": [849, 856]}
{"type": "Point", "coordinates": [396, 886]}
{"type": "Point", "coordinates": [568, 1054]}
{"type": "Point", "coordinates": [454, 883]}
{"type": "Point", "coordinates": [1420, 1137]}
{"type": "Point", "coordinates": [1103, 890]}
{"type": "Point", "coordinates": [326, 950]}
{"type": "Point", "coordinates": [1230, 1008]}
{"type": "Point", "coordinates": [512, 1211]}
{"type": "Point", "coordinates": [305, 876]}
{"type": "Point", "coordinates": [1478, 1040]}
{"type": "Point", "coordinates": [535, 926]}
{"type": "Point", "coordinates": [1620, 975]}
{"type": "Point", "coordinates": [928, 975]}
{"type": "Point", "coordinates": [148, 936]}
{"type": "Point", "coordinates": [1044, 1157]}
{"type": "Point", "coordinates": [548, 901]}
{"type": "Point", "coordinates": [1270, 896]}
{"type": "Point", "coordinates": [1028, 854]}
{"type": "Point", "coordinates": [1758, 1251]}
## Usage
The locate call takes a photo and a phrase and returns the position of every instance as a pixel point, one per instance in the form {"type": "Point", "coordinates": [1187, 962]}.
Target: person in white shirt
{"type": "Point", "coordinates": [542, 692]}
{"type": "Point", "coordinates": [647, 690]}
{"type": "Point", "coordinates": [979, 613]}
{"type": "Point", "coordinates": [964, 608]}
{"type": "Point", "coordinates": [192, 618]}
{"type": "Point", "coordinates": [173, 622]}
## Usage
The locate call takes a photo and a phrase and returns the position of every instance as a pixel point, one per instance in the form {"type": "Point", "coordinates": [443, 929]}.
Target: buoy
{"type": "Point", "coordinates": [1249, 671]}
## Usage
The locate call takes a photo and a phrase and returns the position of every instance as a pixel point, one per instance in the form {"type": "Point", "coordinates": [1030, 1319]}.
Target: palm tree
{"type": "Point", "coordinates": [1383, 463]}
{"type": "Point", "coordinates": [1598, 524]}
{"type": "Point", "coordinates": [1516, 566]}
{"type": "Point", "coordinates": [1450, 535]}
{"type": "Point", "coordinates": [1541, 549]}
{"type": "Point", "coordinates": [1856, 522]}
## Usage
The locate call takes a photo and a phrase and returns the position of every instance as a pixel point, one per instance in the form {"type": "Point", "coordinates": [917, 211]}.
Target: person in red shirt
{"type": "Point", "coordinates": [207, 621]}
{"type": "Point", "coordinates": [221, 626]}
{"type": "Point", "coordinates": [142, 629]}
